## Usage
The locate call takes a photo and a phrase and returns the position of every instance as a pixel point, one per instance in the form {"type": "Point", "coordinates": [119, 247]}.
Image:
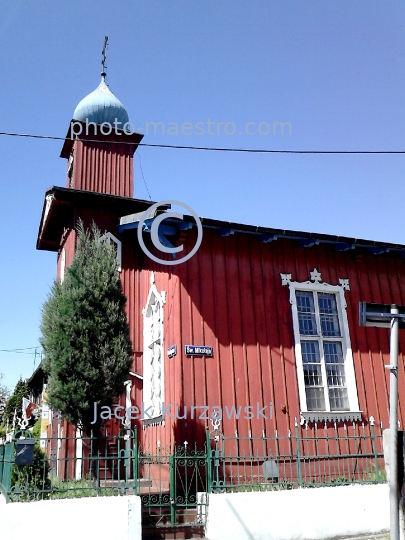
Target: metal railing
{"type": "Point", "coordinates": [70, 467]}
{"type": "Point", "coordinates": [172, 477]}
{"type": "Point", "coordinates": [299, 460]}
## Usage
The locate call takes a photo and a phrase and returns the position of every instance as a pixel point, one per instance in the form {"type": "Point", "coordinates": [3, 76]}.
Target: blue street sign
{"type": "Point", "coordinates": [172, 351]}
{"type": "Point", "coordinates": [198, 350]}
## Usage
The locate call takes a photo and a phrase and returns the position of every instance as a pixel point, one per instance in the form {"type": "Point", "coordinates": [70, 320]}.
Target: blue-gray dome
{"type": "Point", "coordinates": [101, 106]}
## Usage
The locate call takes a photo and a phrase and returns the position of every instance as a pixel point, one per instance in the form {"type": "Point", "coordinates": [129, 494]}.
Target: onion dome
{"type": "Point", "coordinates": [101, 106]}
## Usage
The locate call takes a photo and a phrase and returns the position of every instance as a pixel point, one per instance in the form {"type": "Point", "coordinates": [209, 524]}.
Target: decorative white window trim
{"type": "Point", "coordinates": [118, 243]}
{"type": "Point", "coordinates": [316, 285]}
{"type": "Point", "coordinates": [153, 355]}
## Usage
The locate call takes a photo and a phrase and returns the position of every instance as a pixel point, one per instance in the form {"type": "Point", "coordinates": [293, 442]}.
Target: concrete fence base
{"type": "Point", "coordinates": [305, 514]}
{"type": "Point", "coordinates": [103, 518]}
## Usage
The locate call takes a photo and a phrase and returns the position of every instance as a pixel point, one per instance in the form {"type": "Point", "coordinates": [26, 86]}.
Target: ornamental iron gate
{"type": "Point", "coordinates": [173, 486]}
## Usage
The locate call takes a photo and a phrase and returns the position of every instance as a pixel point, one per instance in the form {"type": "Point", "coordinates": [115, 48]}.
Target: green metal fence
{"type": "Point", "coordinates": [70, 467]}
{"type": "Point", "coordinates": [306, 459]}
{"type": "Point", "coordinates": [169, 480]}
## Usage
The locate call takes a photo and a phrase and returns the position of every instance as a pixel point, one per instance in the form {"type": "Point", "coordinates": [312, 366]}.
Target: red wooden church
{"type": "Point", "coordinates": [274, 312]}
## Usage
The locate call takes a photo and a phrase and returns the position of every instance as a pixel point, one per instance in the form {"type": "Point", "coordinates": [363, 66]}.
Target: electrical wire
{"type": "Point", "coordinates": [144, 181]}
{"type": "Point", "coordinates": [21, 351]}
{"type": "Point", "coordinates": [207, 148]}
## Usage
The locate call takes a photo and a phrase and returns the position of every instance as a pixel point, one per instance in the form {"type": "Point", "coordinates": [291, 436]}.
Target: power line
{"type": "Point", "coordinates": [207, 148]}
{"type": "Point", "coordinates": [21, 351]}
{"type": "Point", "coordinates": [144, 181]}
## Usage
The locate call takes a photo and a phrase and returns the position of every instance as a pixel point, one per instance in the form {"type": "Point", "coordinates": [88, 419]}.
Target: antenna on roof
{"type": "Point", "coordinates": [104, 56]}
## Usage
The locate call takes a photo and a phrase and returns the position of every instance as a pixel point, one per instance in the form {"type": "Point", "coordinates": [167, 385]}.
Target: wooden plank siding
{"type": "Point", "coordinates": [229, 296]}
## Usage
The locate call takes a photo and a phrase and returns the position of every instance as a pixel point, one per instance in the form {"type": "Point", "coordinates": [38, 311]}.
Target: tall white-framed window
{"type": "Point", "coordinates": [323, 353]}
{"type": "Point", "coordinates": [153, 356]}
{"type": "Point", "coordinates": [118, 247]}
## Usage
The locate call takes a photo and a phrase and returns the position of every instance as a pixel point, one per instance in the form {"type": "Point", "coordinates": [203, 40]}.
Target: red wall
{"type": "Point", "coordinates": [229, 296]}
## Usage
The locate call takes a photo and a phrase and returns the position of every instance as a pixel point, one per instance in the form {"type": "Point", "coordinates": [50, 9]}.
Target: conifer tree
{"type": "Point", "coordinates": [14, 403]}
{"type": "Point", "coordinates": [85, 334]}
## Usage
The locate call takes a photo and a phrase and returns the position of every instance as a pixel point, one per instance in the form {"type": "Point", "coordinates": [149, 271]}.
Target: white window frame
{"type": "Point", "coordinates": [118, 243]}
{"type": "Point", "coordinates": [151, 364]}
{"type": "Point", "coordinates": [316, 285]}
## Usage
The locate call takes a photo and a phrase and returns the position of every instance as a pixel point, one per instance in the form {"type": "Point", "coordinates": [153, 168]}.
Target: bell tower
{"type": "Point", "coordinates": [100, 144]}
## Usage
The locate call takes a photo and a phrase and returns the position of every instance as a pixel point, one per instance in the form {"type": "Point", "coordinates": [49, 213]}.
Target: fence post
{"type": "Point", "coordinates": [172, 465]}
{"type": "Point", "coordinates": [298, 443]}
{"type": "Point", "coordinates": [8, 462]}
{"type": "Point", "coordinates": [136, 461]}
{"type": "Point", "coordinates": [2, 449]}
{"type": "Point", "coordinates": [373, 442]}
{"type": "Point", "coordinates": [208, 460]}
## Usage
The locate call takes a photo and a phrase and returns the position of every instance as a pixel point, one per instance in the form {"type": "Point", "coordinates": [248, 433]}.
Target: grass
{"type": "Point", "coordinates": [76, 489]}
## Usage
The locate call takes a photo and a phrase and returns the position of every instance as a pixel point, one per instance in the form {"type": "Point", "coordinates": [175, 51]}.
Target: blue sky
{"type": "Point", "coordinates": [333, 70]}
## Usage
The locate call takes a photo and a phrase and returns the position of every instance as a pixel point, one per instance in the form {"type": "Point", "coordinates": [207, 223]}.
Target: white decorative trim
{"type": "Point", "coordinates": [345, 284]}
{"type": "Point", "coordinates": [153, 354]}
{"type": "Point", "coordinates": [149, 422]}
{"type": "Point", "coordinates": [118, 243]}
{"type": "Point", "coordinates": [136, 375]}
{"type": "Point", "coordinates": [126, 421]}
{"type": "Point", "coordinates": [285, 279]}
{"type": "Point", "coordinates": [48, 202]}
{"type": "Point", "coordinates": [316, 285]}
{"type": "Point", "coordinates": [346, 416]}
{"type": "Point", "coordinates": [315, 276]}
{"type": "Point", "coordinates": [62, 265]}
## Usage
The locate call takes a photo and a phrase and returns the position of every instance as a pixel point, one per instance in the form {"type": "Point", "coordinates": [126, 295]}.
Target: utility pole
{"type": "Point", "coordinates": [393, 367]}
{"type": "Point", "coordinates": [393, 317]}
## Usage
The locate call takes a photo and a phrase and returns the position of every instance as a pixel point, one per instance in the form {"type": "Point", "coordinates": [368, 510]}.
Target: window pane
{"type": "Point", "coordinates": [306, 313]}
{"type": "Point", "coordinates": [328, 314]}
{"type": "Point", "coordinates": [338, 399]}
{"type": "Point", "coordinates": [335, 370]}
{"type": "Point", "coordinates": [313, 376]}
{"type": "Point", "coordinates": [315, 399]}
{"type": "Point", "coordinates": [310, 352]}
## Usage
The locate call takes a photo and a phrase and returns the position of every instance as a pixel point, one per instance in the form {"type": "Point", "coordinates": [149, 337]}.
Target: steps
{"type": "Point", "coordinates": [173, 533]}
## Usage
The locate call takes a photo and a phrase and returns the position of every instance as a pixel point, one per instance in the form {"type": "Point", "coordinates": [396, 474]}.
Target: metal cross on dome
{"type": "Point", "coordinates": [103, 52]}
